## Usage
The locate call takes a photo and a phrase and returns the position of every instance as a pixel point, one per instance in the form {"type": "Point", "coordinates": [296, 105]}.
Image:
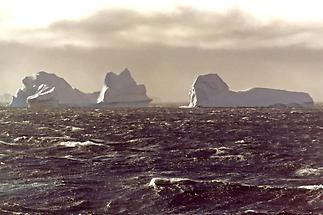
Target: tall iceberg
{"type": "Point", "coordinates": [211, 91]}
{"type": "Point", "coordinates": [47, 89]}
{"type": "Point", "coordinates": [123, 91]}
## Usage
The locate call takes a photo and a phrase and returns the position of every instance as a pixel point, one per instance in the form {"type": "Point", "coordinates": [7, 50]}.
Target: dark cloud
{"type": "Point", "coordinates": [184, 27]}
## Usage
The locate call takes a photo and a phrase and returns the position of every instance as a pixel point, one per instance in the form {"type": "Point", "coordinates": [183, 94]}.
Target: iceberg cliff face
{"type": "Point", "coordinates": [44, 97]}
{"type": "Point", "coordinates": [211, 91]}
{"type": "Point", "coordinates": [48, 89]}
{"type": "Point", "coordinates": [123, 91]}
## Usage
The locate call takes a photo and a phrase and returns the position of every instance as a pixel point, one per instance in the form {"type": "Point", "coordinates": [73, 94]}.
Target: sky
{"type": "Point", "coordinates": [165, 44]}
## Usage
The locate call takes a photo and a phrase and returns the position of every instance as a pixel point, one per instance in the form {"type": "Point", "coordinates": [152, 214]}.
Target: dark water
{"type": "Point", "coordinates": [161, 161]}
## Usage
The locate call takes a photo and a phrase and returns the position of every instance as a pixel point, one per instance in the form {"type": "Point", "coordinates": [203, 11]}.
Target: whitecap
{"type": "Point", "coordinates": [72, 144]}
{"type": "Point", "coordinates": [240, 141]}
{"type": "Point", "coordinates": [155, 183]}
{"type": "Point", "coordinates": [308, 172]}
{"type": "Point", "coordinates": [76, 129]}
{"type": "Point", "coordinates": [229, 157]}
{"type": "Point", "coordinates": [312, 187]}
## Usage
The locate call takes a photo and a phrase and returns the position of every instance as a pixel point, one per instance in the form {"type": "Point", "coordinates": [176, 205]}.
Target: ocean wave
{"type": "Point", "coordinates": [161, 161]}
{"type": "Point", "coordinates": [185, 193]}
{"type": "Point", "coordinates": [72, 144]}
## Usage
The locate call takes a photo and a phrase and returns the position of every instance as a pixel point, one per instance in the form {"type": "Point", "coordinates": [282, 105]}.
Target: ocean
{"type": "Point", "coordinates": [161, 160]}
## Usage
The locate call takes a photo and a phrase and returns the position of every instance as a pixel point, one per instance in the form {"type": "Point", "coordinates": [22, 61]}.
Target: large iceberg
{"type": "Point", "coordinates": [46, 89]}
{"type": "Point", "coordinates": [123, 91]}
{"type": "Point", "coordinates": [211, 91]}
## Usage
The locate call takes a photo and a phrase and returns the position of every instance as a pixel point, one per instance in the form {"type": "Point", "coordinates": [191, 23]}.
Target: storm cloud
{"type": "Point", "coordinates": [166, 51]}
{"type": "Point", "coordinates": [183, 27]}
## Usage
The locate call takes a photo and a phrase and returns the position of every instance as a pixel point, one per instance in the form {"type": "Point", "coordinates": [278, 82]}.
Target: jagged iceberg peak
{"type": "Point", "coordinates": [211, 91]}
{"type": "Point", "coordinates": [44, 88]}
{"type": "Point", "coordinates": [115, 81]}
{"type": "Point", "coordinates": [122, 90]}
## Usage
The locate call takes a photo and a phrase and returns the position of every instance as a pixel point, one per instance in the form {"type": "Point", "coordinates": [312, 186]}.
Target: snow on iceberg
{"type": "Point", "coordinates": [44, 97]}
{"type": "Point", "coordinates": [123, 91]}
{"type": "Point", "coordinates": [47, 89]}
{"type": "Point", "coordinates": [211, 91]}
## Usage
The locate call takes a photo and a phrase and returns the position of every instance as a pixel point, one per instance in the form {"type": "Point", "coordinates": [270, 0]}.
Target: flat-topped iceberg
{"type": "Point", "coordinates": [123, 91]}
{"type": "Point", "coordinates": [211, 91]}
{"type": "Point", "coordinates": [47, 89]}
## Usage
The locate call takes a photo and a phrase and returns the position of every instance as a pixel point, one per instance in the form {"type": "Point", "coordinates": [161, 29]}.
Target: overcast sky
{"type": "Point", "coordinates": [165, 44]}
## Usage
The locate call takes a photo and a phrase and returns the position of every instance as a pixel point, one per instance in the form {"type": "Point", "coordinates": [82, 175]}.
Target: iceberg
{"type": "Point", "coordinates": [47, 89]}
{"type": "Point", "coordinates": [5, 98]}
{"type": "Point", "coordinates": [211, 91]}
{"type": "Point", "coordinates": [122, 91]}
{"type": "Point", "coordinates": [44, 97]}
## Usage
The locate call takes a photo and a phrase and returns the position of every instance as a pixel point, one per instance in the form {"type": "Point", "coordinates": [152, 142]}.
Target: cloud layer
{"type": "Point", "coordinates": [183, 27]}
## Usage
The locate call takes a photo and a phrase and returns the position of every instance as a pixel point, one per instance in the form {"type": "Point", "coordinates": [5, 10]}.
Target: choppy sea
{"type": "Point", "coordinates": [161, 161]}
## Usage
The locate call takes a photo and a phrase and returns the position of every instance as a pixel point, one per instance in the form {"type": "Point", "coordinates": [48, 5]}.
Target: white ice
{"type": "Point", "coordinates": [122, 90]}
{"type": "Point", "coordinates": [45, 88]}
{"type": "Point", "coordinates": [211, 91]}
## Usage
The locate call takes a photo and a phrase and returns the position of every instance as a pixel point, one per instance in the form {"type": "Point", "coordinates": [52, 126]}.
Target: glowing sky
{"type": "Point", "coordinates": [31, 13]}
{"type": "Point", "coordinates": [270, 43]}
